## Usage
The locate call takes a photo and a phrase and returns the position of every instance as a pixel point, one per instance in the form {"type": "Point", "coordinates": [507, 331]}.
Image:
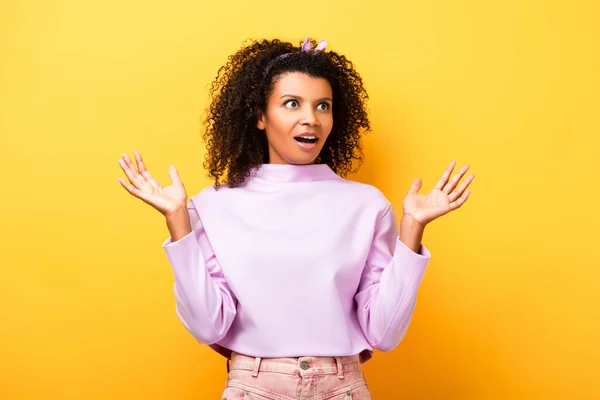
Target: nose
{"type": "Point", "coordinates": [309, 117]}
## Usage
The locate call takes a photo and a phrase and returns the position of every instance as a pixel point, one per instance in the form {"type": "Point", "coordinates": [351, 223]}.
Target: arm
{"type": "Point", "coordinates": [387, 292]}
{"type": "Point", "coordinates": [204, 302]}
{"type": "Point", "coordinates": [411, 233]}
{"type": "Point", "coordinates": [386, 296]}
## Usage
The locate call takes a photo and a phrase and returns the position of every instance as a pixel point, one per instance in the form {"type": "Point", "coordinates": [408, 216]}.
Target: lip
{"type": "Point", "coordinates": [308, 134]}
{"type": "Point", "coordinates": [307, 146]}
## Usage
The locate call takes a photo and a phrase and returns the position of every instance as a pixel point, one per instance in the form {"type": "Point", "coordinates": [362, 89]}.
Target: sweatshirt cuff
{"type": "Point", "coordinates": [181, 242]}
{"type": "Point", "coordinates": [408, 256]}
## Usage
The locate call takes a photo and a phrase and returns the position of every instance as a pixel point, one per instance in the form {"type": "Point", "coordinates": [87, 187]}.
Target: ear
{"type": "Point", "coordinates": [261, 124]}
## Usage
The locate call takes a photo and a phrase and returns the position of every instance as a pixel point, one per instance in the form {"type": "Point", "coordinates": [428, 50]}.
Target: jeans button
{"type": "Point", "coordinates": [304, 365]}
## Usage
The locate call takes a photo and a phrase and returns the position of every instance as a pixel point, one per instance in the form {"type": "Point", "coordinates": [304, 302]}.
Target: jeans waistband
{"type": "Point", "coordinates": [295, 365]}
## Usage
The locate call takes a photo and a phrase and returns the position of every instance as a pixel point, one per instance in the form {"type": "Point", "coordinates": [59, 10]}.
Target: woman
{"type": "Point", "coordinates": [290, 271]}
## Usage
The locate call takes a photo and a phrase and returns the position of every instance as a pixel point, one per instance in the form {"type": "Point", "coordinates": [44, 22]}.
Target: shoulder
{"type": "Point", "coordinates": [209, 194]}
{"type": "Point", "coordinates": [367, 195]}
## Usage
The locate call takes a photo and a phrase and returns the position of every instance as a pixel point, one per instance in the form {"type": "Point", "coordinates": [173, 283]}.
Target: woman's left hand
{"type": "Point", "coordinates": [441, 200]}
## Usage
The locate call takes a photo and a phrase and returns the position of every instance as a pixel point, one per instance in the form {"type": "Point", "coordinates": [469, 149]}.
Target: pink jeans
{"type": "Point", "coordinates": [302, 378]}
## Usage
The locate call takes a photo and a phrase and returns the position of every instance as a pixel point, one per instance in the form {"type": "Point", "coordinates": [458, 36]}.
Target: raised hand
{"type": "Point", "coordinates": [167, 199]}
{"type": "Point", "coordinates": [441, 200]}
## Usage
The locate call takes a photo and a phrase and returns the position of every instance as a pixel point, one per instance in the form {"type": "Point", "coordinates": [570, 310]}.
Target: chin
{"type": "Point", "coordinates": [302, 159]}
{"type": "Point", "coordinates": [297, 156]}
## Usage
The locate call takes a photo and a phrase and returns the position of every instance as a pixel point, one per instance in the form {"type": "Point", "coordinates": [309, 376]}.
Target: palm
{"type": "Point", "coordinates": [426, 207]}
{"type": "Point", "coordinates": [440, 200]}
{"type": "Point", "coordinates": [165, 199]}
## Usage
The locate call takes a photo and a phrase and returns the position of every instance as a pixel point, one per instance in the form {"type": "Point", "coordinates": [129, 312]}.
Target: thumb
{"type": "Point", "coordinates": [174, 176]}
{"type": "Point", "coordinates": [416, 185]}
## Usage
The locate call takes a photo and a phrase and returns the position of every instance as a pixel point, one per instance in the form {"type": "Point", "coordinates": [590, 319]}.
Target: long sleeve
{"type": "Point", "coordinates": [204, 302]}
{"type": "Point", "coordinates": [387, 292]}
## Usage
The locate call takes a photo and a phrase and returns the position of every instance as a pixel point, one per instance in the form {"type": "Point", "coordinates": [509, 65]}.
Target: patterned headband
{"type": "Point", "coordinates": [305, 47]}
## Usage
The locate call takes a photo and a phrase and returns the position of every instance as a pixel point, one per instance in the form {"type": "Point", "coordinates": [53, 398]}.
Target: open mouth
{"type": "Point", "coordinates": [306, 139]}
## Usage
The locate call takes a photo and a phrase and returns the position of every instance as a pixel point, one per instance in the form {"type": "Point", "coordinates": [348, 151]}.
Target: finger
{"type": "Point", "coordinates": [174, 176]}
{"type": "Point", "coordinates": [455, 179]}
{"type": "Point", "coordinates": [129, 163]}
{"type": "Point", "coordinates": [134, 191]}
{"type": "Point", "coordinates": [461, 189]}
{"type": "Point", "coordinates": [461, 200]}
{"type": "Point", "coordinates": [139, 162]}
{"type": "Point", "coordinates": [139, 179]}
{"type": "Point", "coordinates": [144, 171]}
{"type": "Point", "coordinates": [132, 175]}
{"type": "Point", "coordinates": [416, 185]}
{"type": "Point", "coordinates": [444, 179]}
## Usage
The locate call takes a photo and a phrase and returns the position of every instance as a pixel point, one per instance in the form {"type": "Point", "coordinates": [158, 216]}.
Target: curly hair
{"type": "Point", "coordinates": [239, 96]}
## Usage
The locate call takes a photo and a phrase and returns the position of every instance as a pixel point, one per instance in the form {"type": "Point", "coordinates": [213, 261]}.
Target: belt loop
{"type": "Point", "coordinates": [256, 366]}
{"type": "Point", "coordinates": [340, 370]}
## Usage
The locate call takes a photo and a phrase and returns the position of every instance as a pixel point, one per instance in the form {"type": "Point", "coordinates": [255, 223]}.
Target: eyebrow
{"type": "Point", "coordinates": [300, 98]}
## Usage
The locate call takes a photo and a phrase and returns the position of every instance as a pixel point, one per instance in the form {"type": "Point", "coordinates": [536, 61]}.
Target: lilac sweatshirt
{"type": "Point", "coordinates": [295, 262]}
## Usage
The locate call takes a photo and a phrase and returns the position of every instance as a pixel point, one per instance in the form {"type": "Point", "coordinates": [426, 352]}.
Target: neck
{"type": "Point", "coordinates": [295, 172]}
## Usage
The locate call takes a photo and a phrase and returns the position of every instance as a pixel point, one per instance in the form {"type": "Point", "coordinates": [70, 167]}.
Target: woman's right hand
{"type": "Point", "coordinates": [167, 199]}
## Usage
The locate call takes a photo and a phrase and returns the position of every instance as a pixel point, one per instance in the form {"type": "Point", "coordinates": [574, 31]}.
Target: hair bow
{"type": "Point", "coordinates": [306, 45]}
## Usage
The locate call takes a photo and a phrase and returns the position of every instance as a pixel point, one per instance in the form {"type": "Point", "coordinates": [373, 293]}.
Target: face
{"type": "Point", "coordinates": [298, 118]}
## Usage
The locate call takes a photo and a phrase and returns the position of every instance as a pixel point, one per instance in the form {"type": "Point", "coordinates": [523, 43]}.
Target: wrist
{"type": "Point", "coordinates": [179, 224]}
{"type": "Point", "coordinates": [178, 212]}
{"type": "Point", "coordinates": [411, 232]}
{"type": "Point", "coordinates": [410, 222]}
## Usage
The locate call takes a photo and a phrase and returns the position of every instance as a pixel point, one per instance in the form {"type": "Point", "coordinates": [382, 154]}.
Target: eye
{"type": "Point", "coordinates": [325, 106]}
{"type": "Point", "coordinates": [293, 103]}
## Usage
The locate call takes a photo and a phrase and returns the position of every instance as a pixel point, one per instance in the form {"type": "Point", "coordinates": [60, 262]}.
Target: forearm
{"type": "Point", "coordinates": [411, 233]}
{"type": "Point", "coordinates": [179, 224]}
{"type": "Point", "coordinates": [204, 302]}
{"type": "Point", "coordinates": [387, 301]}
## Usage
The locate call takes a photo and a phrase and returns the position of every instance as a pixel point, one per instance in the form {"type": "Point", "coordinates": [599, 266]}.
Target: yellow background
{"type": "Point", "coordinates": [510, 305]}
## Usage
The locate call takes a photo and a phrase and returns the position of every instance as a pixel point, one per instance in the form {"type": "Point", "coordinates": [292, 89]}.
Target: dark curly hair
{"type": "Point", "coordinates": [239, 96]}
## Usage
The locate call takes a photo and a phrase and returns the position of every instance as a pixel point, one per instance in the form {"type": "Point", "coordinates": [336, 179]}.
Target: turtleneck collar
{"type": "Point", "coordinates": [295, 173]}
